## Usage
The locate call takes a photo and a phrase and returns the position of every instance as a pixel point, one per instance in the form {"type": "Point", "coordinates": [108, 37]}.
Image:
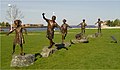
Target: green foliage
{"type": "Point", "coordinates": [116, 22]}
{"type": "Point", "coordinates": [4, 24]}
{"type": "Point", "coordinates": [7, 24]}
{"type": "Point", "coordinates": [109, 23]}
{"type": "Point", "coordinates": [99, 53]}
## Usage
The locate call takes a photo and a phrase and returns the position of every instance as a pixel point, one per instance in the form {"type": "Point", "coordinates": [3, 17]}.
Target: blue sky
{"type": "Point", "coordinates": [72, 10]}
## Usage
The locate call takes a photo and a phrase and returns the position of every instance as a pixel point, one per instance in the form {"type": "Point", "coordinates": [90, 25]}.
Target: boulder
{"type": "Point", "coordinates": [94, 35]}
{"type": "Point", "coordinates": [20, 61]}
{"type": "Point", "coordinates": [67, 44]}
{"type": "Point", "coordinates": [47, 51]}
{"type": "Point", "coordinates": [79, 36]}
{"type": "Point", "coordinates": [80, 41]}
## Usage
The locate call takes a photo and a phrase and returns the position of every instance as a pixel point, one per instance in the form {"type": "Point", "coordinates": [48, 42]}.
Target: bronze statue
{"type": "Point", "coordinates": [99, 22]}
{"type": "Point", "coordinates": [50, 28]}
{"type": "Point", "coordinates": [83, 24]}
{"type": "Point", "coordinates": [19, 38]}
{"type": "Point", "coordinates": [64, 29]}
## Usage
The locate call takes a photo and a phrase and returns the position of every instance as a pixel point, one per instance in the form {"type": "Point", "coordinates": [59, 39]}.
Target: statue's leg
{"type": "Point", "coordinates": [84, 31]}
{"type": "Point", "coordinates": [100, 30]}
{"type": "Point", "coordinates": [81, 30]}
{"type": "Point", "coordinates": [65, 35]}
{"type": "Point", "coordinates": [62, 38]}
{"type": "Point", "coordinates": [13, 48]}
{"type": "Point", "coordinates": [51, 43]}
{"type": "Point", "coordinates": [21, 49]}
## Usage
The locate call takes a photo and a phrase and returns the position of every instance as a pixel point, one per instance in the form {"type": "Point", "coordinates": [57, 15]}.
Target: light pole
{"type": "Point", "coordinates": [9, 5]}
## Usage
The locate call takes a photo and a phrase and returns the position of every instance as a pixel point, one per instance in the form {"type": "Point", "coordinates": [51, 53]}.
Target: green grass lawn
{"type": "Point", "coordinates": [99, 53]}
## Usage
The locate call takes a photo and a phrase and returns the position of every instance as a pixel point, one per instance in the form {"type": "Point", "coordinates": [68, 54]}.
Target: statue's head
{"type": "Point", "coordinates": [17, 22]}
{"type": "Point", "coordinates": [83, 20]}
{"type": "Point", "coordinates": [53, 17]}
{"type": "Point", "coordinates": [98, 19]}
{"type": "Point", "coordinates": [64, 20]}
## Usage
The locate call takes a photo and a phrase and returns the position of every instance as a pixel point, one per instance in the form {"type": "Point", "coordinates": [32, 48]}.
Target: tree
{"type": "Point", "coordinates": [3, 24]}
{"type": "Point", "coordinates": [7, 24]}
{"type": "Point", "coordinates": [116, 22]}
{"type": "Point", "coordinates": [109, 23]}
{"type": "Point", "coordinates": [0, 24]}
{"type": "Point", "coordinates": [14, 13]}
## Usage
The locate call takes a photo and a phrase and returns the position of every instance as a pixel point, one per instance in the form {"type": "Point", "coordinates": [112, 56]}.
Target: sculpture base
{"type": "Point", "coordinates": [20, 61]}
{"type": "Point", "coordinates": [47, 51]}
{"type": "Point", "coordinates": [80, 41]}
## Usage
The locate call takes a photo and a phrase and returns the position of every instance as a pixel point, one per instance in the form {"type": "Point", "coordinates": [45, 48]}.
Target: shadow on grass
{"type": "Point", "coordinates": [60, 46]}
{"type": "Point", "coordinates": [37, 55]}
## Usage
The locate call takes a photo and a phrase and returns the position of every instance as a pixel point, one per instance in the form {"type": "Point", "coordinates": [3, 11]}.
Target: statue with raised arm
{"type": "Point", "coordinates": [50, 28]}
{"type": "Point", "coordinates": [19, 38]}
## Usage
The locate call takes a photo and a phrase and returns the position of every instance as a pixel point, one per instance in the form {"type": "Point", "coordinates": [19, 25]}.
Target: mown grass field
{"type": "Point", "coordinates": [99, 53]}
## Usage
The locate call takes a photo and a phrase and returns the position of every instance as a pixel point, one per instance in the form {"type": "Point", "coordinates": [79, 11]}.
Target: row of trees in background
{"type": "Point", "coordinates": [4, 24]}
{"type": "Point", "coordinates": [113, 23]}
{"type": "Point", "coordinates": [110, 23]}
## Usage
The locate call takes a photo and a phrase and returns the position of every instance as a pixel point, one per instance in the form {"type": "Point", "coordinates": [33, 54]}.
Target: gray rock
{"type": "Point", "coordinates": [79, 36]}
{"type": "Point", "coordinates": [20, 61]}
{"type": "Point", "coordinates": [80, 41]}
{"type": "Point", "coordinates": [91, 36]}
{"type": "Point", "coordinates": [94, 35]}
{"type": "Point", "coordinates": [67, 44]}
{"type": "Point", "coordinates": [98, 34]}
{"type": "Point", "coordinates": [47, 51]}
